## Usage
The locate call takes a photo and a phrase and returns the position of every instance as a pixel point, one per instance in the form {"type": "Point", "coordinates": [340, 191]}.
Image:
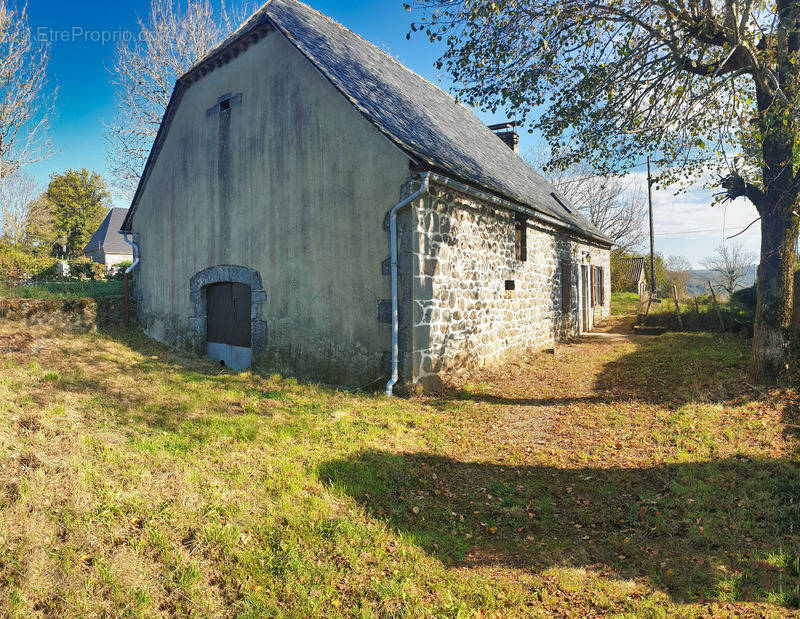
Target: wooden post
{"type": "Point", "coordinates": [652, 231]}
{"type": "Point", "coordinates": [126, 304]}
{"type": "Point", "coordinates": [716, 306]}
{"type": "Point", "coordinates": [647, 312]}
{"type": "Point", "coordinates": [677, 307]}
{"type": "Point", "coordinates": [697, 312]}
{"type": "Point", "coordinates": [642, 295]}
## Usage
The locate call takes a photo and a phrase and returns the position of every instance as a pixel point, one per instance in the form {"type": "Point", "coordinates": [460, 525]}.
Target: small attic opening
{"type": "Point", "coordinates": [225, 103]}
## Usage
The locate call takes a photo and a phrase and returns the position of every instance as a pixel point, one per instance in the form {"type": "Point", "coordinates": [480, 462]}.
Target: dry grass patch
{"type": "Point", "coordinates": [620, 477]}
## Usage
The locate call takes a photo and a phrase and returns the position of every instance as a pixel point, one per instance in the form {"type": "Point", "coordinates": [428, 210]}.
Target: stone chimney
{"type": "Point", "coordinates": [508, 133]}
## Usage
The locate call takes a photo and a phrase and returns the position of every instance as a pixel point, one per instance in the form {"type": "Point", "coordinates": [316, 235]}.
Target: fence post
{"type": "Point", "coordinates": [677, 307]}
{"type": "Point", "coordinates": [697, 312]}
{"type": "Point", "coordinates": [716, 306]}
{"type": "Point", "coordinates": [126, 304]}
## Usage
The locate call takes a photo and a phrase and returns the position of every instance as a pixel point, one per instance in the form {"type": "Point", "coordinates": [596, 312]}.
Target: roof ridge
{"type": "Point", "coordinates": [371, 44]}
{"type": "Point", "coordinates": [263, 9]}
{"type": "Point", "coordinates": [426, 122]}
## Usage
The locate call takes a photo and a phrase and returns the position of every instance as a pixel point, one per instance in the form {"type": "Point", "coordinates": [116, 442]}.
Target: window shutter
{"type": "Point", "coordinates": [566, 286]}
{"type": "Point", "coordinates": [592, 271]}
{"type": "Point", "coordinates": [521, 238]}
{"type": "Point", "coordinates": [601, 272]}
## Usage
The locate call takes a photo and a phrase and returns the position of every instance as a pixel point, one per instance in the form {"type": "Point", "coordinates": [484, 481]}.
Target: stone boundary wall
{"type": "Point", "coordinates": [463, 315]}
{"type": "Point", "coordinates": [69, 314]}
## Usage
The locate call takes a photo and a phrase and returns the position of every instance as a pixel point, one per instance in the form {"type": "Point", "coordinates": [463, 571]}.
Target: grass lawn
{"type": "Point", "coordinates": [64, 290]}
{"type": "Point", "coordinates": [624, 303]}
{"type": "Point", "coordinates": [694, 317]}
{"type": "Point", "coordinates": [625, 476]}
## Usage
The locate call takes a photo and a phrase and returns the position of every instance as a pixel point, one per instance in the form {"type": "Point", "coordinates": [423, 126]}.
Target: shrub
{"type": "Point", "coordinates": [745, 297]}
{"type": "Point", "coordinates": [84, 268]}
{"type": "Point", "coordinates": [18, 264]}
{"type": "Point", "coordinates": [118, 270]}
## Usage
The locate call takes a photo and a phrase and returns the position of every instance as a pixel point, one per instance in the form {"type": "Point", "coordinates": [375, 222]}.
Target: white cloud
{"type": "Point", "coordinates": [687, 224]}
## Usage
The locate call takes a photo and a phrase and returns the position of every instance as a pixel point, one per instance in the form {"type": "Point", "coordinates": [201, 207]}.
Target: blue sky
{"type": "Point", "coordinates": [685, 224]}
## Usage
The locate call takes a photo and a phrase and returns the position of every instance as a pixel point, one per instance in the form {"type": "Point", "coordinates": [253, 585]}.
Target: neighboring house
{"type": "Point", "coordinates": [107, 245]}
{"type": "Point", "coordinates": [264, 230]}
{"type": "Point", "coordinates": [634, 275]}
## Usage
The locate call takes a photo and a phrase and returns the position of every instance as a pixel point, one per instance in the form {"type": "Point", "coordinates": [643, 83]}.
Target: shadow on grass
{"type": "Point", "coordinates": [723, 530]}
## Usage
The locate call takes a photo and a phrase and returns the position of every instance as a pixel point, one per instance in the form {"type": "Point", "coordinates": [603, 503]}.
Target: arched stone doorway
{"type": "Point", "coordinates": [232, 297]}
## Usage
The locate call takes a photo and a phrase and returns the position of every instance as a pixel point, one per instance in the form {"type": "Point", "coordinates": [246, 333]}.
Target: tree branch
{"type": "Point", "coordinates": [736, 186]}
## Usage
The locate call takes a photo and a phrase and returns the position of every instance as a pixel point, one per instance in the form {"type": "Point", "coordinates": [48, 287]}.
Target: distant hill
{"type": "Point", "coordinates": [697, 283]}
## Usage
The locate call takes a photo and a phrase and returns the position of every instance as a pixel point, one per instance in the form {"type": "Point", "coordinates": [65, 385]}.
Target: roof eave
{"type": "Point", "coordinates": [515, 205]}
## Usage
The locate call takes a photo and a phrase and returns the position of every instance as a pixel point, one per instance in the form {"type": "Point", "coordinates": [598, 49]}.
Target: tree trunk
{"type": "Point", "coordinates": [771, 337]}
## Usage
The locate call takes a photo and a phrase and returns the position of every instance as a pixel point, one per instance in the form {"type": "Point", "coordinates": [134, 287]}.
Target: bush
{"type": "Point", "coordinates": [745, 297]}
{"type": "Point", "coordinates": [118, 270]}
{"type": "Point", "coordinates": [17, 264]}
{"type": "Point", "coordinates": [84, 268]}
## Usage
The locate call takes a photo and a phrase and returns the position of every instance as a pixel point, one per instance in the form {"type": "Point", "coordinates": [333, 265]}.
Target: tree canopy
{"type": "Point", "coordinates": [80, 200]}
{"type": "Point", "coordinates": [608, 80]}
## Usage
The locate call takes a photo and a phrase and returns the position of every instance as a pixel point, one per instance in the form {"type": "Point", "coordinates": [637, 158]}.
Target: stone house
{"type": "Point", "coordinates": [312, 205]}
{"type": "Point", "coordinates": [106, 246]}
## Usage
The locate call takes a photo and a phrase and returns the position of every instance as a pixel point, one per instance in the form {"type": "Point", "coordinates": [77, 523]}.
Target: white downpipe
{"type": "Point", "coordinates": [135, 252]}
{"type": "Point", "coordinates": [395, 295]}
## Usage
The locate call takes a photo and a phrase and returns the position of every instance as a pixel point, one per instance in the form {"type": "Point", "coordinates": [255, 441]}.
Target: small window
{"type": "Point", "coordinates": [511, 285]}
{"type": "Point", "coordinates": [561, 203]}
{"type": "Point", "coordinates": [224, 105]}
{"type": "Point", "coordinates": [566, 286]}
{"type": "Point", "coordinates": [521, 238]}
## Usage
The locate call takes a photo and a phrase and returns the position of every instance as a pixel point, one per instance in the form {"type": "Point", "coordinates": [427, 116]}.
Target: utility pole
{"type": "Point", "coordinates": [652, 232]}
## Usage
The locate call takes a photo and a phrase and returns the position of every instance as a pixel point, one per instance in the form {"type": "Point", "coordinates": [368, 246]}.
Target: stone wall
{"type": "Point", "coordinates": [67, 314]}
{"type": "Point", "coordinates": [463, 314]}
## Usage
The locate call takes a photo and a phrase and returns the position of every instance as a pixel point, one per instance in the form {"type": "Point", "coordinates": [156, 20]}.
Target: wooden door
{"type": "Point", "coordinates": [228, 316]}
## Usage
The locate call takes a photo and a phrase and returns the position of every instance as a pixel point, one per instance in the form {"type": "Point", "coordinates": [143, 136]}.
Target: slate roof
{"type": "Point", "coordinates": [108, 237]}
{"type": "Point", "coordinates": [431, 127]}
{"type": "Point", "coordinates": [634, 268]}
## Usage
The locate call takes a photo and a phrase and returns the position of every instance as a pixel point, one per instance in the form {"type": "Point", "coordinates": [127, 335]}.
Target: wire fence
{"type": "Point", "coordinates": [67, 289]}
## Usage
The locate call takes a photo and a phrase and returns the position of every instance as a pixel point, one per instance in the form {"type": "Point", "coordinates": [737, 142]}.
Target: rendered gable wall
{"type": "Point", "coordinates": [292, 183]}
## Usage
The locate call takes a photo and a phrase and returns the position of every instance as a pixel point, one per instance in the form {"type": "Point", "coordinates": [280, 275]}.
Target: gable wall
{"type": "Point", "coordinates": [295, 186]}
{"type": "Point", "coordinates": [463, 316]}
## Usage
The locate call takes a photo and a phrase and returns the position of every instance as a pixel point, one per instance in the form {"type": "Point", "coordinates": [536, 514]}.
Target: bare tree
{"type": "Point", "coordinates": [145, 70]}
{"type": "Point", "coordinates": [26, 105]}
{"type": "Point", "coordinates": [679, 272]}
{"type": "Point", "coordinates": [611, 204]}
{"type": "Point", "coordinates": [730, 262]}
{"type": "Point", "coordinates": [18, 194]}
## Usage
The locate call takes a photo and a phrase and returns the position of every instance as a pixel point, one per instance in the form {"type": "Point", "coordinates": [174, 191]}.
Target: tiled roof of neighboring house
{"type": "Point", "coordinates": [108, 237]}
{"type": "Point", "coordinates": [431, 127]}
{"type": "Point", "coordinates": [634, 268]}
